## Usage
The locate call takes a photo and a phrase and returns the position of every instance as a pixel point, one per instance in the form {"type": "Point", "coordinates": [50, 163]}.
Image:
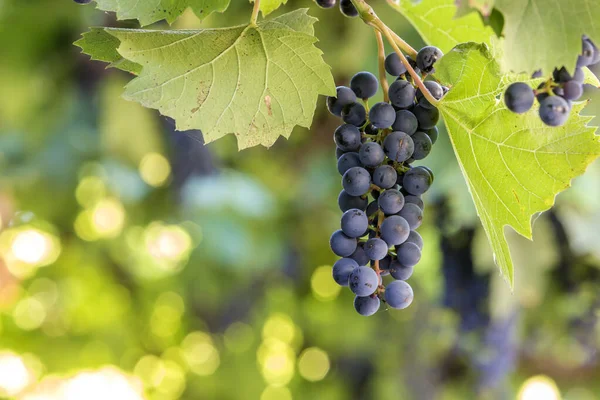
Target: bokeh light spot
{"type": "Point", "coordinates": [155, 169]}
{"type": "Point", "coordinates": [323, 285]}
{"type": "Point", "coordinates": [313, 364]}
{"type": "Point", "coordinates": [539, 387]}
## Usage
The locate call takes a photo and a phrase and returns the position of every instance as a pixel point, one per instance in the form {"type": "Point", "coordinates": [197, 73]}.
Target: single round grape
{"type": "Point", "coordinates": [393, 65]}
{"type": "Point", "coordinates": [367, 305]}
{"type": "Point", "coordinates": [417, 181]}
{"type": "Point", "coordinates": [415, 237]}
{"type": "Point", "coordinates": [382, 115]}
{"type": "Point", "coordinates": [325, 3]}
{"type": "Point", "coordinates": [436, 91]}
{"type": "Point", "coordinates": [356, 181]}
{"type": "Point", "coordinates": [414, 200]}
{"type": "Point", "coordinates": [344, 96]}
{"type": "Point", "coordinates": [364, 84]}
{"type": "Point", "coordinates": [363, 281]}
{"type": "Point", "coordinates": [423, 145]}
{"type": "Point", "coordinates": [347, 138]}
{"type": "Point", "coordinates": [405, 122]}
{"type": "Point", "coordinates": [371, 154]}
{"type": "Point", "coordinates": [554, 111]}
{"type": "Point", "coordinates": [413, 214]}
{"type": "Point", "coordinates": [572, 90]}
{"type": "Point", "coordinates": [372, 208]}
{"type": "Point", "coordinates": [394, 230]}
{"type": "Point", "coordinates": [402, 94]}
{"type": "Point", "coordinates": [433, 134]}
{"type": "Point", "coordinates": [347, 202]}
{"type": "Point", "coordinates": [376, 248]}
{"type": "Point", "coordinates": [347, 161]}
{"type": "Point", "coordinates": [391, 202]}
{"type": "Point", "coordinates": [398, 294]}
{"type": "Point", "coordinates": [341, 244]}
{"type": "Point", "coordinates": [359, 254]}
{"type": "Point", "coordinates": [354, 223]}
{"type": "Point", "coordinates": [398, 146]}
{"type": "Point", "coordinates": [408, 254]}
{"type": "Point", "coordinates": [426, 58]}
{"type": "Point", "coordinates": [348, 9]}
{"type": "Point", "coordinates": [342, 269]}
{"type": "Point", "coordinates": [371, 130]}
{"type": "Point", "coordinates": [354, 114]}
{"type": "Point", "coordinates": [385, 176]}
{"type": "Point", "coordinates": [399, 271]}
{"type": "Point", "coordinates": [427, 117]}
{"type": "Point", "coordinates": [519, 97]}
{"type": "Point", "coordinates": [587, 54]}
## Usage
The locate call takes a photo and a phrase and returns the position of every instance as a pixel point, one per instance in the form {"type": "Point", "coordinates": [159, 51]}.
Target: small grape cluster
{"type": "Point", "coordinates": [556, 94]}
{"type": "Point", "coordinates": [346, 6]}
{"type": "Point", "coordinates": [381, 197]}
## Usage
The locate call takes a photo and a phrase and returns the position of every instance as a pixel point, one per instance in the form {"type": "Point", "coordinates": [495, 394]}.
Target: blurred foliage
{"type": "Point", "coordinates": [137, 263]}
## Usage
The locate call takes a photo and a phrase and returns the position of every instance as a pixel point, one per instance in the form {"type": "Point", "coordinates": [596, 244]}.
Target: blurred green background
{"type": "Point", "coordinates": [137, 263]}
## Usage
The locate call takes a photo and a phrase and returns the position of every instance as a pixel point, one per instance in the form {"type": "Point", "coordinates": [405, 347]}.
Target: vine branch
{"type": "Point", "coordinates": [255, 10]}
{"type": "Point", "coordinates": [367, 14]}
{"type": "Point", "coordinates": [382, 75]}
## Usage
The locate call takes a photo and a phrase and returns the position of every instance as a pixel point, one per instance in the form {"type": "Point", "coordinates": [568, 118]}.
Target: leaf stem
{"type": "Point", "coordinates": [382, 76]}
{"type": "Point", "coordinates": [255, 10]}
{"type": "Point", "coordinates": [367, 14]}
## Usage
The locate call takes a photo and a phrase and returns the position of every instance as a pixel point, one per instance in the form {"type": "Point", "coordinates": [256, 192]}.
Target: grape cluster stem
{"type": "Point", "coordinates": [381, 56]}
{"type": "Point", "coordinates": [255, 10]}
{"type": "Point", "coordinates": [367, 14]}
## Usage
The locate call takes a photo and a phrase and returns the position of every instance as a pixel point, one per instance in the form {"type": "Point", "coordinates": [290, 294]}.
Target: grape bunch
{"type": "Point", "coordinates": [382, 192]}
{"type": "Point", "coordinates": [346, 6]}
{"type": "Point", "coordinates": [556, 94]}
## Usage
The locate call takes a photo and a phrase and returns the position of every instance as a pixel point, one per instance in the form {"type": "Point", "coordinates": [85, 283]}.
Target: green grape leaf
{"type": "Point", "coordinates": [436, 23]}
{"type": "Point", "coordinates": [255, 81]}
{"type": "Point", "coordinates": [150, 11]}
{"type": "Point", "coordinates": [268, 6]}
{"type": "Point", "coordinates": [546, 34]}
{"type": "Point", "coordinates": [102, 46]}
{"type": "Point", "coordinates": [513, 164]}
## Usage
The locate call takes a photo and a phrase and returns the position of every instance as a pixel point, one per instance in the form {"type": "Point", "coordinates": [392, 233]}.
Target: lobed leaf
{"type": "Point", "coordinates": [436, 23]}
{"type": "Point", "coordinates": [513, 164]}
{"type": "Point", "coordinates": [256, 82]}
{"type": "Point", "coordinates": [547, 33]}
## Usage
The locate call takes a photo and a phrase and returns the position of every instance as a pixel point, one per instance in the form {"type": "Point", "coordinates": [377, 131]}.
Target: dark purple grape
{"type": "Point", "coordinates": [344, 96]}
{"type": "Point", "coordinates": [393, 65]}
{"type": "Point", "coordinates": [354, 114]}
{"type": "Point", "coordinates": [347, 138]}
{"type": "Point", "coordinates": [325, 3]}
{"type": "Point", "coordinates": [364, 84]}
{"type": "Point", "coordinates": [405, 122]}
{"type": "Point", "coordinates": [342, 270]}
{"type": "Point", "coordinates": [519, 97]}
{"type": "Point", "coordinates": [427, 57]}
{"type": "Point", "coordinates": [398, 146]}
{"type": "Point", "coordinates": [347, 202]}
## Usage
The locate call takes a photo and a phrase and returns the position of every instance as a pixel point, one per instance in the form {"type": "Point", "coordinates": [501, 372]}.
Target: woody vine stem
{"type": "Point", "coordinates": [367, 14]}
